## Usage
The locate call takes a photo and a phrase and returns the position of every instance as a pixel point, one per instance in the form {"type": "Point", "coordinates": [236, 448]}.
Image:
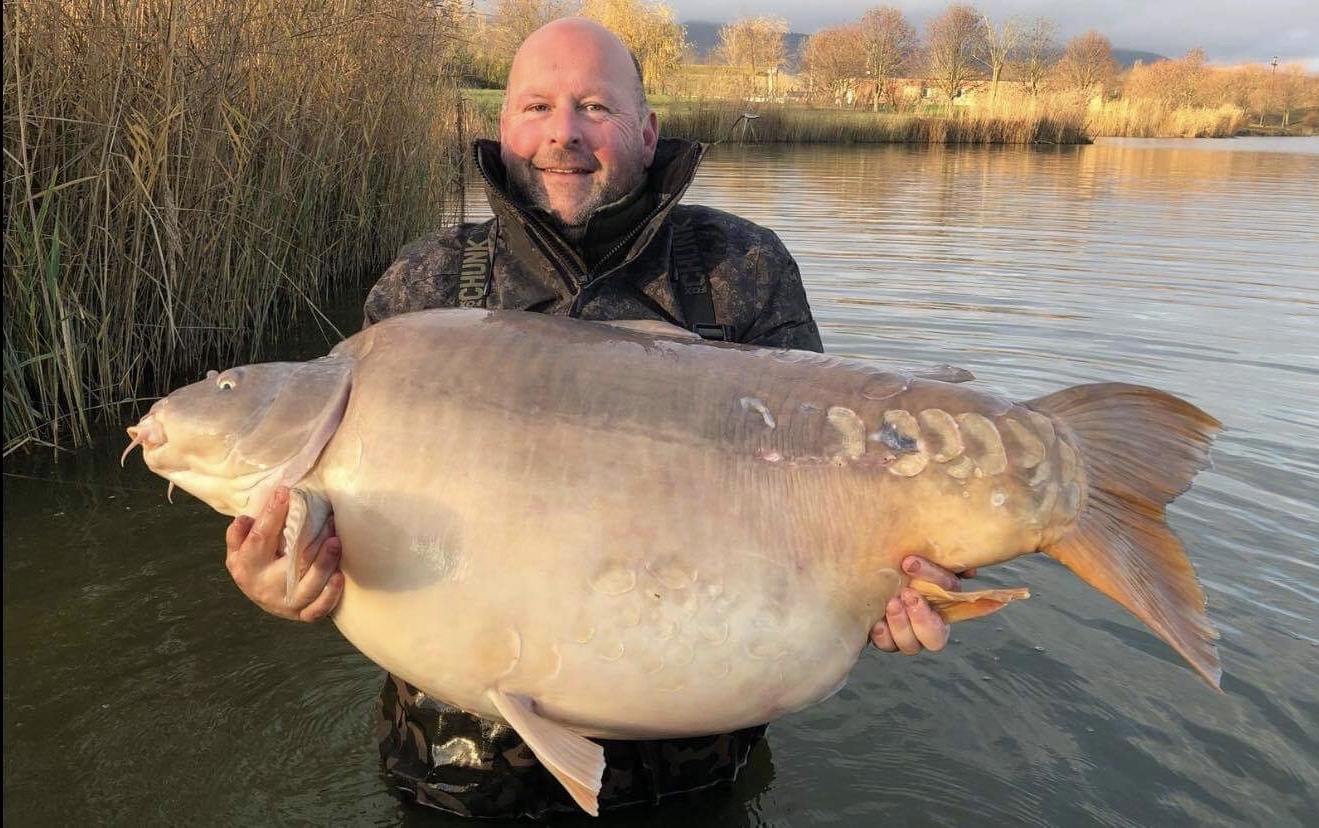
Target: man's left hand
{"type": "Point", "coordinates": [910, 625]}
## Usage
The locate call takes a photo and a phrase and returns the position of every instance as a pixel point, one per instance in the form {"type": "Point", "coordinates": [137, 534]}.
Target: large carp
{"type": "Point", "coordinates": [604, 530]}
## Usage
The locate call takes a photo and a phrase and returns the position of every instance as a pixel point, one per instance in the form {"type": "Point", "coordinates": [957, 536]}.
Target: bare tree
{"type": "Point", "coordinates": [648, 29]}
{"type": "Point", "coordinates": [510, 23]}
{"type": "Point", "coordinates": [951, 41]}
{"type": "Point", "coordinates": [997, 48]}
{"type": "Point", "coordinates": [1173, 83]}
{"type": "Point", "coordinates": [888, 42]}
{"type": "Point", "coordinates": [1087, 62]}
{"type": "Point", "coordinates": [1296, 89]}
{"type": "Point", "coordinates": [1039, 52]}
{"type": "Point", "coordinates": [832, 60]}
{"type": "Point", "coordinates": [753, 44]}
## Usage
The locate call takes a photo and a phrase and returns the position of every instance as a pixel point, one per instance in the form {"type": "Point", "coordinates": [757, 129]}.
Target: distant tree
{"type": "Point", "coordinates": [753, 44]}
{"type": "Point", "coordinates": [888, 43]}
{"type": "Point", "coordinates": [1173, 83]}
{"type": "Point", "coordinates": [831, 60]}
{"type": "Point", "coordinates": [648, 29]}
{"type": "Point", "coordinates": [511, 21]}
{"type": "Point", "coordinates": [1295, 89]}
{"type": "Point", "coordinates": [951, 42]}
{"type": "Point", "coordinates": [1087, 62]}
{"type": "Point", "coordinates": [1038, 53]}
{"type": "Point", "coordinates": [998, 46]}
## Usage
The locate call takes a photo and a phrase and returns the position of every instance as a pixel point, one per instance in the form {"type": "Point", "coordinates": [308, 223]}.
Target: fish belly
{"type": "Point", "coordinates": [704, 612]}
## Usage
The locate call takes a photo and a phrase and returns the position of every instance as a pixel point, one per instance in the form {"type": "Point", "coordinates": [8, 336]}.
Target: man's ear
{"type": "Point", "coordinates": [650, 137]}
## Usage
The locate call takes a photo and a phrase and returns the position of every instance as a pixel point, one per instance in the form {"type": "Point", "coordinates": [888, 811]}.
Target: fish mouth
{"type": "Point", "coordinates": [149, 433]}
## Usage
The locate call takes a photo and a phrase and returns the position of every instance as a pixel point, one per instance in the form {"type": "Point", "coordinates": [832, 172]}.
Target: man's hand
{"type": "Point", "coordinates": [253, 558]}
{"type": "Point", "coordinates": [910, 624]}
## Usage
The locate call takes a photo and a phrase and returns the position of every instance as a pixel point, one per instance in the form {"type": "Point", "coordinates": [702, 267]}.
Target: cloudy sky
{"type": "Point", "coordinates": [1230, 31]}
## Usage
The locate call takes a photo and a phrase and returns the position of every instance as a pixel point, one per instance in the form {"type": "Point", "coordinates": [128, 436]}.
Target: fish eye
{"type": "Point", "coordinates": [225, 384]}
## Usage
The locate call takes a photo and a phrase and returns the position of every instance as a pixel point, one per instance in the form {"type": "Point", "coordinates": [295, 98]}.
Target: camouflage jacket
{"type": "Point", "coordinates": [624, 268]}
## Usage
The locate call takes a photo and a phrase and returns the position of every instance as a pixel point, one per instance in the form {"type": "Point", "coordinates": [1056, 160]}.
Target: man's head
{"type": "Point", "coordinates": [575, 132]}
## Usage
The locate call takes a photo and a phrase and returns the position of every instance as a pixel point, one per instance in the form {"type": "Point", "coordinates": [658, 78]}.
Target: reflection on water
{"type": "Point", "coordinates": [141, 687]}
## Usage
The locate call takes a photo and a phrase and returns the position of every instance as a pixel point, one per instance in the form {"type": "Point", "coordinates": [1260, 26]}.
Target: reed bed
{"type": "Point", "coordinates": [720, 120]}
{"type": "Point", "coordinates": [183, 178]}
{"type": "Point", "coordinates": [1146, 118]}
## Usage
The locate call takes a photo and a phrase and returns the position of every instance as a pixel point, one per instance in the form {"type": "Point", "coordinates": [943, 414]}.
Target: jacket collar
{"type": "Point", "coordinates": [617, 233]}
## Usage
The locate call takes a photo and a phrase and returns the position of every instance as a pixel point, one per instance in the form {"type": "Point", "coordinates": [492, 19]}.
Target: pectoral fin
{"type": "Point", "coordinates": [577, 762]}
{"type": "Point", "coordinates": [308, 512]}
{"type": "Point", "coordinates": [961, 606]}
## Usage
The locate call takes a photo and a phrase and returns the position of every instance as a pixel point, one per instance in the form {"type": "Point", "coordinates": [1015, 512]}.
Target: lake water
{"type": "Point", "coordinates": [141, 688]}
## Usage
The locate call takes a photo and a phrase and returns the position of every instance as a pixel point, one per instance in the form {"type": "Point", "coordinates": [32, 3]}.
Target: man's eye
{"type": "Point", "coordinates": [538, 108]}
{"type": "Point", "coordinates": [595, 107]}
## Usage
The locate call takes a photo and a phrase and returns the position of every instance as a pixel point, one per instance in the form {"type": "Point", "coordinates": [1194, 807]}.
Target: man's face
{"type": "Point", "coordinates": [572, 135]}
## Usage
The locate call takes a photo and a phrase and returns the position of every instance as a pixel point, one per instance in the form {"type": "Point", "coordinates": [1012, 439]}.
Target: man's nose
{"type": "Point", "coordinates": [565, 126]}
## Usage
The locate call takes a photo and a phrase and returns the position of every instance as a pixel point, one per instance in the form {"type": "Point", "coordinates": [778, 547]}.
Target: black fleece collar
{"type": "Point", "coordinates": [614, 234]}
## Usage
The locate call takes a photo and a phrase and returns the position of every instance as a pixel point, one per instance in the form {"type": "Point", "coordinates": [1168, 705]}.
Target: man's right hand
{"type": "Point", "coordinates": [258, 567]}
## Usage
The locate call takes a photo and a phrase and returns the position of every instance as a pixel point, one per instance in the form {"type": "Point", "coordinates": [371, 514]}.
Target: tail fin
{"type": "Point", "coordinates": [1140, 448]}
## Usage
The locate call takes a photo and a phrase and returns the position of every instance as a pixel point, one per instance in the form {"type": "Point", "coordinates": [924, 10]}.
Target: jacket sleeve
{"type": "Point", "coordinates": [422, 276]}
{"type": "Point", "coordinates": [785, 321]}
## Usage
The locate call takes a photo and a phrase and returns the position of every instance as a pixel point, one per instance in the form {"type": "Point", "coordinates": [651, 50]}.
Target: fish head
{"type": "Point", "coordinates": [233, 437]}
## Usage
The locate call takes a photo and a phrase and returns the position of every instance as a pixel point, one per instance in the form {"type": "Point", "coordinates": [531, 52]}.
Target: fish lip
{"type": "Point", "coordinates": [149, 433]}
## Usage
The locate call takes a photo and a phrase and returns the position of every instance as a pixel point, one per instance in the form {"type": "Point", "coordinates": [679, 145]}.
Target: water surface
{"type": "Point", "coordinates": [140, 687]}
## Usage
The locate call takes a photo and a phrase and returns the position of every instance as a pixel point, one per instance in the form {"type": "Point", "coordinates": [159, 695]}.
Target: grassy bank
{"type": "Point", "coordinates": [182, 178]}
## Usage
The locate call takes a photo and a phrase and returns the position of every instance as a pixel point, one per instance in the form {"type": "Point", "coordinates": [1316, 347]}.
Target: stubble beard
{"type": "Point", "coordinates": [530, 189]}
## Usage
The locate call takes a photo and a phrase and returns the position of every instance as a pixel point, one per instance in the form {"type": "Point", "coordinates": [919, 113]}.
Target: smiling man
{"type": "Point", "coordinates": [587, 223]}
{"type": "Point", "coordinates": [575, 131]}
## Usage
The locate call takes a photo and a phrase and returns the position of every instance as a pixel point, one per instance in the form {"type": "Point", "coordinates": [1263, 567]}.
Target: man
{"type": "Point", "coordinates": [587, 223]}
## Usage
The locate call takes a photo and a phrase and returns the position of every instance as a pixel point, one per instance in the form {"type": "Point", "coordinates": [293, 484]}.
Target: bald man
{"type": "Point", "coordinates": [586, 224]}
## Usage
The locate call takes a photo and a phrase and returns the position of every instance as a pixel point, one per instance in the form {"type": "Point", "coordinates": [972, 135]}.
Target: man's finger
{"type": "Point", "coordinates": [236, 533]}
{"type": "Point", "coordinates": [312, 583]}
{"type": "Point", "coordinates": [882, 638]}
{"type": "Point", "coordinates": [927, 626]}
{"type": "Point", "coordinates": [896, 615]}
{"type": "Point", "coordinates": [310, 554]}
{"type": "Point", "coordinates": [270, 522]}
{"type": "Point", "coordinates": [919, 569]}
{"type": "Point", "coordinates": [326, 601]}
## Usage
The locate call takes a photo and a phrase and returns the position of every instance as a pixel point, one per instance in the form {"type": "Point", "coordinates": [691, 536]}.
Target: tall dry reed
{"type": "Point", "coordinates": [774, 123]}
{"type": "Point", "coordinates": [183, 177]}
{"type": "Point", "coordinates": [1146, 118]}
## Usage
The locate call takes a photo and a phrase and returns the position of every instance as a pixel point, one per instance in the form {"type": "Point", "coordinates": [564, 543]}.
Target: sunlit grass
{"type": "Point", "coordinates": [1141, 118]}
{"type": "Point", "coordinates": [181, 178]}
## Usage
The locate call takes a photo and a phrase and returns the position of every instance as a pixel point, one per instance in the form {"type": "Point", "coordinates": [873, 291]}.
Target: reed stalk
{"type": "Point", "coordinates": [184, 177]}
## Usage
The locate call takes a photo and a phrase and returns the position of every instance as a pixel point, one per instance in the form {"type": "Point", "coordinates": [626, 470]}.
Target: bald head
{"type": "Point", "coordinates": [575, 133]}
{"type": "Point", "coordinates": [570, 37]}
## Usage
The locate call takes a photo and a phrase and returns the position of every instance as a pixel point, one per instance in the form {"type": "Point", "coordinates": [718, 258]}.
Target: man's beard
{"type": "Point", "coordinates": [529, 188]}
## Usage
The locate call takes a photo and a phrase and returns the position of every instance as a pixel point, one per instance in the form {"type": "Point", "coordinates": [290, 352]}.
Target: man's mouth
{"type": "Point", "coordinates": [564, 166]}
